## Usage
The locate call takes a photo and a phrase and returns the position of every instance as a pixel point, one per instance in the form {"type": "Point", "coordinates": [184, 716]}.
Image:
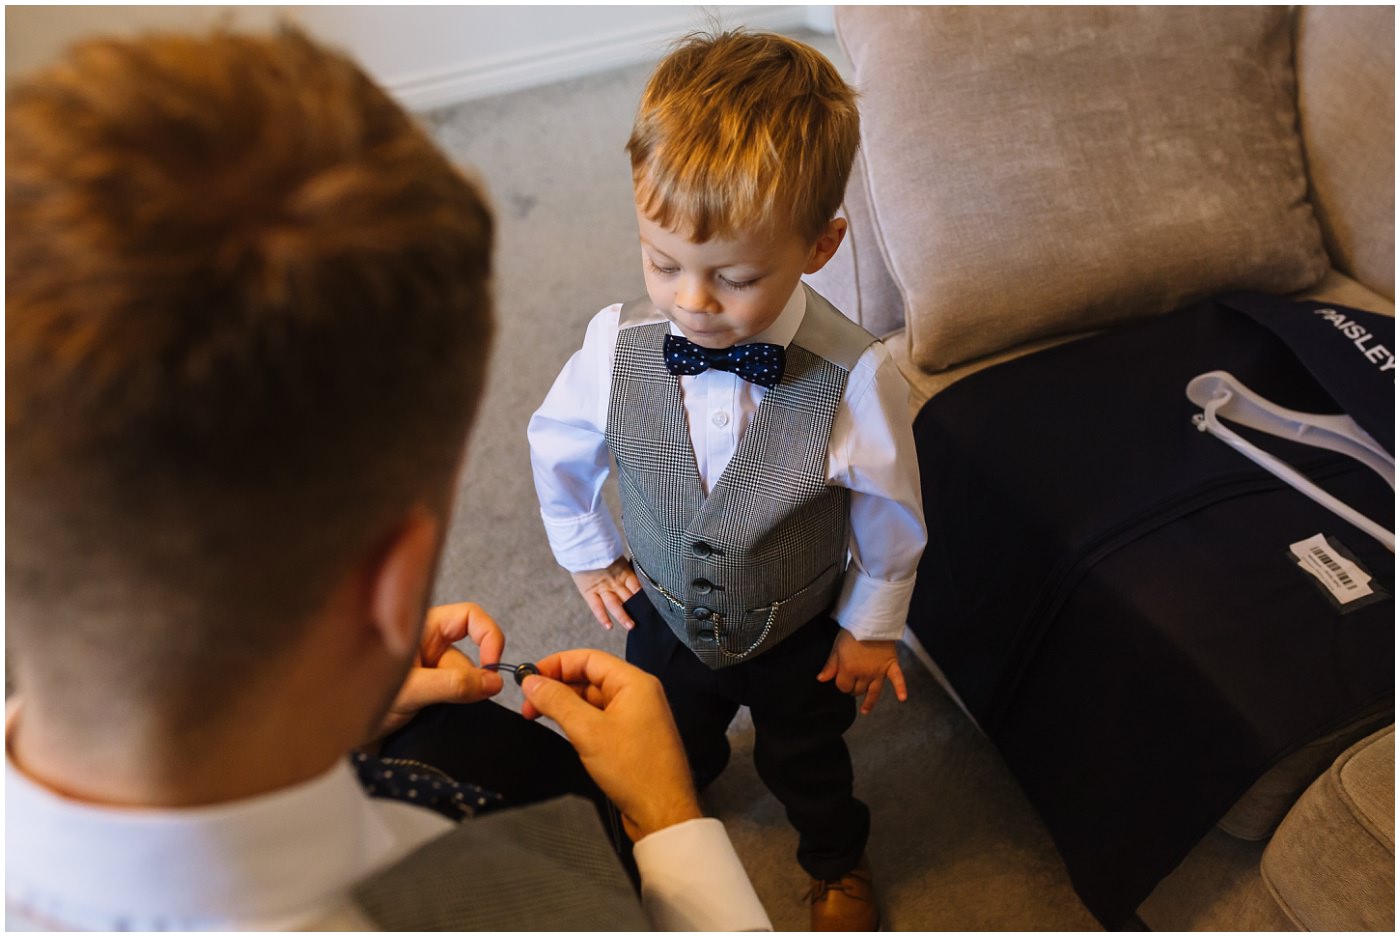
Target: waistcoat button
{"type": "Point", "coordinates": [702, 549]}
{"type": "Point", "coordinates": [703, 586]}
{"type": "Point", "coordinates": [702, 613]}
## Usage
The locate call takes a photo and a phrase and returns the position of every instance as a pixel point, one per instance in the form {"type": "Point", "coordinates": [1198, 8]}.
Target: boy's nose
{"type": "Point", "coordinates": [694, 297]}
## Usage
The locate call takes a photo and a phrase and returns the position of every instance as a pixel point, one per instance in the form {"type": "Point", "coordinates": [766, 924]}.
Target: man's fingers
{"type": "Point", "coordinates": [591, 667]}
{"type": "Point", "coordinates": [590, 694]}
{"type": "Point", "coordinates": [479, 684]}
{"type": "Point", "coordinates": [445, 626]}
{"type": "Point", "coordinates": [434, 643]}
{"type": "Point", "coordinates": [829, 670]}
{"type": "Point", "coordinates": [485, 634]}
{"type": "Point", "coordinates": [559, 702]}
{"type": "Point", "coordinates": [428, 685]}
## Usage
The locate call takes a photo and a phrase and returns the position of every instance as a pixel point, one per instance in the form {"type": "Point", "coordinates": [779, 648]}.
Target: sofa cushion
{"type": "Point", "coordinates": [1041, 170]}
{"type": "Point", "coordinates": [1331, 865]}
{"type": "Point", "coordinates": [923, 385]}
{"type": "Point", "coordinates": [1341, 289]}
{"type": "Point", "coordinates": [1256, 815]}
{"type": "Point", "coordinates": [1346, 103]}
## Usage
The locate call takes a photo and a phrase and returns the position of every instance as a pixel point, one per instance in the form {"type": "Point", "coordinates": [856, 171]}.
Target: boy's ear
{"type": "Point", "coordinates": [399, 582]}
{"type": "Point", "coordinates": [826, 245]}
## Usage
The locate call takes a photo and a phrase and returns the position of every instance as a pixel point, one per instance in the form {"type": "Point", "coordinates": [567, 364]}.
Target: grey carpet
{"type": "Point", "coordinates": [955, 845]}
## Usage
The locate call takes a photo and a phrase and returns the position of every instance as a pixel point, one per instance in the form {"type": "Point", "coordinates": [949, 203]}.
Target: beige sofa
{"type": "Point", "coordinates": [1032, 175]}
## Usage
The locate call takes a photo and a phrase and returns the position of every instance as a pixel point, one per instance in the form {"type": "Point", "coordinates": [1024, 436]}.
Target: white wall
{"type": "Point", "coordinates": [425, 55]}
{"type": "Point", "coordinates": [35, 34]}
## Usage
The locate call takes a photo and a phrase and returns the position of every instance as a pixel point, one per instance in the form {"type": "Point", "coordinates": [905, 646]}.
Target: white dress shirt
{"type": "Point", "coordinates": [871, 452]}
{"type": "Point", "coordinates": [287, 861]}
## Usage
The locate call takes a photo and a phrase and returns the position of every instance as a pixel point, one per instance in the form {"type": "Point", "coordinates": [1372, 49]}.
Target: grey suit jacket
{"type": "Point", "coordinates": [546, 867]}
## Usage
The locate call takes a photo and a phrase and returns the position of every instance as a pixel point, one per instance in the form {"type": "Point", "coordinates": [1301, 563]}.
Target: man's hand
{"type": "Point", "coordinates": [862, 667]}
{"type": "Point", "coordinates": [606, 589]}
{"type": "Point", "coordinates": [618, 720]}
{"type": "Point", "coordinates": [443, 674]}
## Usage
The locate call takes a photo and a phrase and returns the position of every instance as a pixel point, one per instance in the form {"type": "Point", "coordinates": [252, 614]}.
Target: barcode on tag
{"type": "Point", "coordinates": [1346, 581]}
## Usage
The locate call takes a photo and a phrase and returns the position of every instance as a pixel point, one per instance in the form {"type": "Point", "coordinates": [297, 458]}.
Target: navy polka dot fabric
{"type": "Point", "coordinates": [757, 362]}
{"type": "Point", "coordinates": [424, 785]}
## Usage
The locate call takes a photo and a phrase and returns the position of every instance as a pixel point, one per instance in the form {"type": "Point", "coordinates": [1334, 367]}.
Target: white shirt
{"type": "Point", "coordinates": [871, 452]}
{"type": "Point", "coordinates": [287, 860]}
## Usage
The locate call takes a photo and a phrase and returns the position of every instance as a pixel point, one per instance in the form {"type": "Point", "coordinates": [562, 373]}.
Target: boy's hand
{"type": "Point", "coordinates": [862, 667]}
{"type": "Point", "coordinates": [606, 589]}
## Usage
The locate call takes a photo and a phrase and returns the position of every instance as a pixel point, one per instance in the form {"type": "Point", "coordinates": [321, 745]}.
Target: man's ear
{"type": "Point", "coordinates": [400, 581]}
{"type": "Point", "coordinates": [826, 245]}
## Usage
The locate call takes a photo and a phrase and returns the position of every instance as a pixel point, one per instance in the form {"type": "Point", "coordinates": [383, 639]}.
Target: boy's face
{"type": "Point", "coordinates": [726, 291]}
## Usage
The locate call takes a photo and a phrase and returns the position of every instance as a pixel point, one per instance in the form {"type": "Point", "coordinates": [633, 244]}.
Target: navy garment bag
{"type": "Point", "coordinates": [1112, 593]}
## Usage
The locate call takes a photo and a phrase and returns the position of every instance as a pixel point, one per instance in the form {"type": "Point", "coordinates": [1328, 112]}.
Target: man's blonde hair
{"type": "Point", "coordinates": [742, 130]}
{"type": "Point", "coordinates": [248, 318]}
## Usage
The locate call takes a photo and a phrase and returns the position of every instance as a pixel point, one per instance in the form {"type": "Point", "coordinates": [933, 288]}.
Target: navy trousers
{"type": "Point", "coordinates": [496, 748]}
{"type": "Point", "coordinates": [798, 724]}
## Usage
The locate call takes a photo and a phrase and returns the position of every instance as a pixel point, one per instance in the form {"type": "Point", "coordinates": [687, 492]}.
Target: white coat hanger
{"type": "Point", "coordinates": [1221, 395]}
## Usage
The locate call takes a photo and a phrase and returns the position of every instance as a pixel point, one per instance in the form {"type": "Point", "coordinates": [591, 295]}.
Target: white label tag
{"type": "Point", "coordinates": [1343, 578]}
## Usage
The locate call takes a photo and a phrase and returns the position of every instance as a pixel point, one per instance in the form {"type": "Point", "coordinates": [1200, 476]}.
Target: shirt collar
{"type": "Point", "coordinates": [785, 327]}
{"type": "Point", "coordinates": [265, 856]}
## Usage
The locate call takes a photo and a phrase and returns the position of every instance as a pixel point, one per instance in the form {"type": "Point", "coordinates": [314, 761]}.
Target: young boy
{"type": "Point", "coordinates": [762, 441]}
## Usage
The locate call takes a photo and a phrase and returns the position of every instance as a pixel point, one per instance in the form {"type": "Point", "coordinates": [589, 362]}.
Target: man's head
{"type": "Point", "coordinates": [247, 319]}
{"type": "Point", "coordinates": [740, 152]}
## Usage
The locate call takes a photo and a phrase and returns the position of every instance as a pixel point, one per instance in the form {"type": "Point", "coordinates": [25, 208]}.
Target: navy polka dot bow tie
{"type": "Point", "coordinates": [757, 362]}
{"type": "Point", "coordinates": [424, 785]}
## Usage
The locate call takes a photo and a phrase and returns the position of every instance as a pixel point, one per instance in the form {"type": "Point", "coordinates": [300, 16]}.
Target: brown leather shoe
{"type": "Point", "coordinates": [846, 903]}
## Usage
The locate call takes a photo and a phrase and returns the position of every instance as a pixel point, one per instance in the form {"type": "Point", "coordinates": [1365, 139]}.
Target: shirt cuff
{"type": "Point", "coordinates": [692, 880]}
{"type": "Point", "coordinates": [589, 541]}
{"type": "Point", "coordinates": [873, 609]}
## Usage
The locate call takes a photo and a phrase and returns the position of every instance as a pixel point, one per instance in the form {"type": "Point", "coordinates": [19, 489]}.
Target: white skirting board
{"type": "Point", "coordinates": [584, 55]}
{"type": "Point", "coordinates": [913, 644]}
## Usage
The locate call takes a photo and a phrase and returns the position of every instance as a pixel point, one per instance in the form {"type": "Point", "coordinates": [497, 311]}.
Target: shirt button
{"type": "Point", "coordinates": [720, 419]}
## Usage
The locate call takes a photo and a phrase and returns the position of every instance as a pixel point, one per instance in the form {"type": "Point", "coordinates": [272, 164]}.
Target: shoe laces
{"type": "Point", "coordinates": [821, 887]}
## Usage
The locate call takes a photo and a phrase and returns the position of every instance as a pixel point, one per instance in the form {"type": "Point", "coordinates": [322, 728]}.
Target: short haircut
{"type": "Point", "coordinates": [741, 130]}
{"type": "Point", "coordinates": [248, 318]}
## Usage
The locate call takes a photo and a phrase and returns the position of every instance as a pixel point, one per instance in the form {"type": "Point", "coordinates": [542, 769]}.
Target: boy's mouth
{"type": "Point", "coordinates": [693, 332]}
{"type": "Point", "coordinates": [713, 337]}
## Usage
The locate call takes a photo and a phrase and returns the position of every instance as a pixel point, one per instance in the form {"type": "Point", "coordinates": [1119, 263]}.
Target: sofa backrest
{"type": "Point", "coordinates": [1345, 59]}
{"type": "Point", "coordinates": [1028, 172]}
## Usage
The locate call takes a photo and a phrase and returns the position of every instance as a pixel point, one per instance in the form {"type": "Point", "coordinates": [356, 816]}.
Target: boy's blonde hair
{"type": "Point", "coordinates": [739, 130]}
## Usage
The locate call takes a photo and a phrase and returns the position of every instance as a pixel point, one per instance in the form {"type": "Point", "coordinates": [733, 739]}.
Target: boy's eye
{"type": "Point", "coordinates": [733, 285]}
{"type": "Point", "coordinates": [664, 271]}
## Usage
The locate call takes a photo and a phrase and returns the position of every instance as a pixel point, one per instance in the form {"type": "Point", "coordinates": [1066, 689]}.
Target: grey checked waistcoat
{"type": "Point", "coordinates": [736, 572]}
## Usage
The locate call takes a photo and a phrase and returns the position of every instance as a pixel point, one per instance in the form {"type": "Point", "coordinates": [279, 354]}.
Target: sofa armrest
{"type": "Point", "coordinates": [1331, 865]}
{"type": "Point", "coordinates": [1345, 60]}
